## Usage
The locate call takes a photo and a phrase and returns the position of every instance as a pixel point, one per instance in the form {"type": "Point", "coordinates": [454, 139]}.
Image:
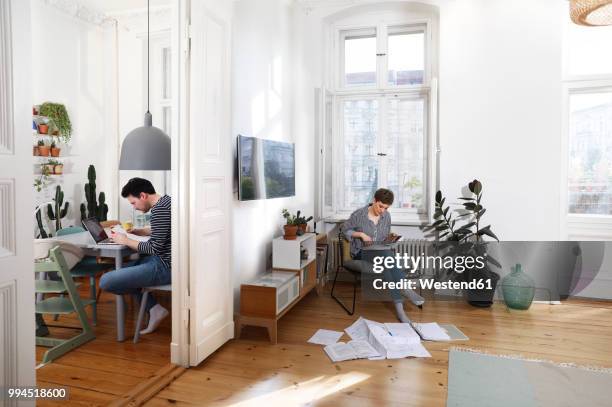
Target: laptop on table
{"type": "Point", "coordinates": [97, 231]}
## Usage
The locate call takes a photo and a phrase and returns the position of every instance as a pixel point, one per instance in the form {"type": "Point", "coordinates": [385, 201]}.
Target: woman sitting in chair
{"type": "Point", "coordinates": [372, 223]}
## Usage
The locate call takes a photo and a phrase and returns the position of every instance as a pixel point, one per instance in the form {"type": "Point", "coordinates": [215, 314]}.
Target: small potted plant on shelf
{"type": "Point", "coordinates": [43, 149]}
{"type": "Point", "coordinates": [302, 223]}
{"type": "Point", "coordinates": [291, 227]}
{"type": "Point", "coordinates": [55, 151]}
{"type": "Point", "coordinates": [58, 117]}
{"type": "Point", "coordinates": [55, 167]}
{"type": "Point", "coordinates": [43, 128]}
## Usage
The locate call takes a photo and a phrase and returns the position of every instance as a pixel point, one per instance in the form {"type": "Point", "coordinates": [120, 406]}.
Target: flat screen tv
{"type": "Point", "coordinates": [266, 169]}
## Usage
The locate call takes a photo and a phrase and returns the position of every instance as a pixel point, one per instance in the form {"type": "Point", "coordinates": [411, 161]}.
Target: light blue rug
{"type": "Point", "coordinates": [482, 380]}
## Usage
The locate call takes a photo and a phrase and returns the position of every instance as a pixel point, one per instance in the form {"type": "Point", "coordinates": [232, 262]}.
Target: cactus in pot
{"type": "Point", "coordinates": [95, 208]}
{"type": "Point", "coordinates": [59, 213]}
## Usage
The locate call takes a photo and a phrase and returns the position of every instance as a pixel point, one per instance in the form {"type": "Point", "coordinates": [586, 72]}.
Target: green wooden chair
{"type": "Point", "coordinates": [87, 267]}
{"type": "Point", "coordinates": [67, 304]}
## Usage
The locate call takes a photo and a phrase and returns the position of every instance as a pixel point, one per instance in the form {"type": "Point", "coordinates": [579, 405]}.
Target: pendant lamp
{"type": "Point", "coordinates": [591, 12]}
{"type": "Point", "coordinates": [146, 148]}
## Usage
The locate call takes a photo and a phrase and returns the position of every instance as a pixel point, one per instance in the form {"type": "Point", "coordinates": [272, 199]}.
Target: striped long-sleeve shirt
{"type": "Point", "coordinates": [159, 243]}
{"type": "Point", "coordinates": [360, 222]}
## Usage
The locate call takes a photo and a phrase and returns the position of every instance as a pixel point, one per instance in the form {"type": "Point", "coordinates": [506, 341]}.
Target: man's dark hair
{"type": "Point", "coordinates": [384, 195]}
{"type": "Point", "coordinates": [136, 186]}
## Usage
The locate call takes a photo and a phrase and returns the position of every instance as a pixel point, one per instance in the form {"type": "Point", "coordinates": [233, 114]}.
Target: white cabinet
{"type": "Point", "coordinates": [286, 254]}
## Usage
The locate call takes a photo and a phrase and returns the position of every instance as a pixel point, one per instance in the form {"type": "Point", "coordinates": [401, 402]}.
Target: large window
{"type": "Point", "coordinates": [587, 199]}
{"type": "Point", "coordinates": [381, 113]}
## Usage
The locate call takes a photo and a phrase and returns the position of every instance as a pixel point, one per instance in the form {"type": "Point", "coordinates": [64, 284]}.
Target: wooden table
{"type": "Point", "coordinates": [114, 251]}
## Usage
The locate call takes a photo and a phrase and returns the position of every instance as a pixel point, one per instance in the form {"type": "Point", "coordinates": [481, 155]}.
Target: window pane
{"type": "Point", "coordinates": [166, 72]}
{"type": "Point", "coordinates": [167, 120]}
{"type": "Point", "coordinates": [360, 159]}
{"type": "Point", "coordinates": [329, 108]}
{"type": "Point", "coordinates": [590, 154]}
{"type": "Point", "coordinates": [404, 141]}
{"type": "Point", "coordinates": [589, 50]}
{"type": "Point", "coordinates": [360, 60]}
{"type": "Point", "coordinates": [406, 58]}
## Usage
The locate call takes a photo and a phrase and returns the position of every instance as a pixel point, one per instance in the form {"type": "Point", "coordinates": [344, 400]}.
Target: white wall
{"type": "Point", "coordinates": [69, 58]}
{"type": "Point", "coordinates": [501, 110]}
{"type": "Point", "coordinates": [272, 99]}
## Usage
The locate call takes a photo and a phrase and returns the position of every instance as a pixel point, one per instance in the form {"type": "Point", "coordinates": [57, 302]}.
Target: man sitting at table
{"type": "Point", "coordinates": [150, 270]}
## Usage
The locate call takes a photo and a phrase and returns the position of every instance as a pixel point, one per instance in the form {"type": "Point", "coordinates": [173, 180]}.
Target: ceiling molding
{"type": "Point", "coordinates": [77, 10]}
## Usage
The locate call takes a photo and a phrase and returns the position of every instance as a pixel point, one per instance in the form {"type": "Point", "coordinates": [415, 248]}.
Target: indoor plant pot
{"type": "Point", "coordinates": [303, 227]}
{"type": "Point", "coordinates": [47, 168]}
{"type": "Point", "coordinates": [43, 128]}
{"type": "Point", "coordinates": [43, 151]}
{"type": "Point", "coordinates": [55, 152]}
{"type": "Point", "coordinates": [290, 232]}
{"type": "Point", "coordinates": [58, 169]}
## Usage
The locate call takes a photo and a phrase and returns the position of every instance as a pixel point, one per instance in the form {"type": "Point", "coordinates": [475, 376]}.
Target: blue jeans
{"type": "Point", "coordinates": [394, 274]}
{"type": "Point", "coordinates": [146, 271]}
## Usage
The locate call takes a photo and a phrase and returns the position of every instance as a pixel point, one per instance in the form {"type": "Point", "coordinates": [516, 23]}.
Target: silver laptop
{"type": "Point", "coordinates": [97, 231]}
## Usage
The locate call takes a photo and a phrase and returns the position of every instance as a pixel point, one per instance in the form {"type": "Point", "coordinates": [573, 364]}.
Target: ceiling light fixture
{"type": "Point", "coordinates": [591, 12]}
{"type": "Point", "coordinates": [146, 148]}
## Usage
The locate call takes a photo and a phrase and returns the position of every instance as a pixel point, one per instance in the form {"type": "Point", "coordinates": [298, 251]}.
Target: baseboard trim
{"type": "Point", "coordinates": [147, 389]}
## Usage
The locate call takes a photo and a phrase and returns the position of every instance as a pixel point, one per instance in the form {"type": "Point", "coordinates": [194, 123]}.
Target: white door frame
{"type": "Point", "coordinates": [17, 335]}
{"type": "Point", "coordinates": [179, 347]}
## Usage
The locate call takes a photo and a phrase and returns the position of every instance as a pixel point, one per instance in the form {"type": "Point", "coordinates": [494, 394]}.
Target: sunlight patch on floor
{"type": "Point", "coordinates": [307, 391]}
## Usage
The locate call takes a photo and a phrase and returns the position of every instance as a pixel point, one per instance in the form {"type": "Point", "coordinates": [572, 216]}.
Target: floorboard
{"type": "Point", "coordinates": [252, 372]}
{"type": "Point", "coordinates": [101, 370]}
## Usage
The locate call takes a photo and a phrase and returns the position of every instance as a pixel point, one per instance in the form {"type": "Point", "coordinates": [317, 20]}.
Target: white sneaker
{"type": "Point", "coordinates": [156, 315]}
{"type": "Point", "coordinates": [413, 297]}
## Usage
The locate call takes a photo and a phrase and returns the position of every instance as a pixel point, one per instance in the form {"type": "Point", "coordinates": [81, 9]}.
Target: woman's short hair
{"type": "Point", "coordinates": [384, 195]}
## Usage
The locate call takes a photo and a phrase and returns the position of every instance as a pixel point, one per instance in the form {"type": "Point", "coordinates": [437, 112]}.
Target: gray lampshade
{"type": "Point", "coordinates": [146, 148]}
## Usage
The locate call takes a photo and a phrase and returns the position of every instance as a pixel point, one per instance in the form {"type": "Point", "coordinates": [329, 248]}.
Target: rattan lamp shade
{"type": "Point", "coordinates": [591, 12]}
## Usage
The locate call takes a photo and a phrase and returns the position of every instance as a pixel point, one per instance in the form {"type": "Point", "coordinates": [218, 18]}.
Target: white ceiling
{"type": "Point", "coordinates": [110, 7]}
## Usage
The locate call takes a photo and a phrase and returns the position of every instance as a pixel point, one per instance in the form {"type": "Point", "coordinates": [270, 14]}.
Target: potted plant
{"type": "Point", "coordinates": [291, 227]}
{"type": "Point", "coordinates": [43, 128]}
{"type": "Point", "coordinates": [58, 116]}
{"type": "Point", "coordinates": [55, 151]}
{"type": "Point", "coordinates": [55, 167]}
{"type": "Point", "coordinates": [43, 149]}
{"type": "Point", "coordinates": [466, 240]}
{"type": "Point", "coordinates": [302, 223]}
{"type": "Point", "coordinates": [42, 181]}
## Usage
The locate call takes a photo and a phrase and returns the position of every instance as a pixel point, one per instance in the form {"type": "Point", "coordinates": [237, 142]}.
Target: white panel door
{"type": "Point", "coordinates": [17, 352]}
{"type": "Point", "coordinates": [211, 311]}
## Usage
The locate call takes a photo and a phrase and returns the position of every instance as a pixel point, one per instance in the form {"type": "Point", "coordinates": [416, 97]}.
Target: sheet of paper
{"type": "Point", "coordinates": [325, 337]}
{"type": "Point", "coordinates": [431, 331]}
{"type": "Point", "coordinates": [403, 330]}
{"type": "Point", "coordinates": [363, 349]}
{"type": "Point", "coordinates": [399, 347]}
{"type": "Point", "coordinates": [119, 229]}
{"type": "Point", "coordinates": [358, 331]}
{"type": "Point", "coordinates": [339, 352]}
{"type": "Point", "coordinates": [376, 337]}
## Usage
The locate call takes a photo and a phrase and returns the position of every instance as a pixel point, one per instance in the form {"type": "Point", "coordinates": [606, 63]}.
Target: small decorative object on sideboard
{"type": "Point", "coordinates": [43, 150]}
{"type": "Point", "coordinates": [518, 289]}
{"type": "Point", "coordinates": [55, 151]}
{"type": "Point", "coordinates": [302, 223]}
{"type": "Point", "coordinates": [291, 227]}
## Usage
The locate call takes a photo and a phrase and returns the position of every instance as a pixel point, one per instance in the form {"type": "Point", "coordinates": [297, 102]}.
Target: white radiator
{"type": "Point", "coordinates": [412, 247]}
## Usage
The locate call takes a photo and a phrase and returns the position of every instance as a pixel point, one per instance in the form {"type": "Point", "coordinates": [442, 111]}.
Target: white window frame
{"type": "Point", "coordinates": [579, 226]}
{"type": "Point", "coordinates": [428, 90]}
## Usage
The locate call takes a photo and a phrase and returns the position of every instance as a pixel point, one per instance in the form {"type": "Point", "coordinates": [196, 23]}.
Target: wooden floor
{"type": "Point", "coordinates": [251, 372]}
{"type": "Point", "coordinates": [101, 370]}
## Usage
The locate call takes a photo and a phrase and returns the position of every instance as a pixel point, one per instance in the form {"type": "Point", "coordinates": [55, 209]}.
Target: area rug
{"type": "Point", "coordinates": [477, 379]}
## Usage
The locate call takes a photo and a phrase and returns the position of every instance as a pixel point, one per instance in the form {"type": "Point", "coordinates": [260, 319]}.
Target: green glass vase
{"type": "Point", "coordinates": [518, 289]}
